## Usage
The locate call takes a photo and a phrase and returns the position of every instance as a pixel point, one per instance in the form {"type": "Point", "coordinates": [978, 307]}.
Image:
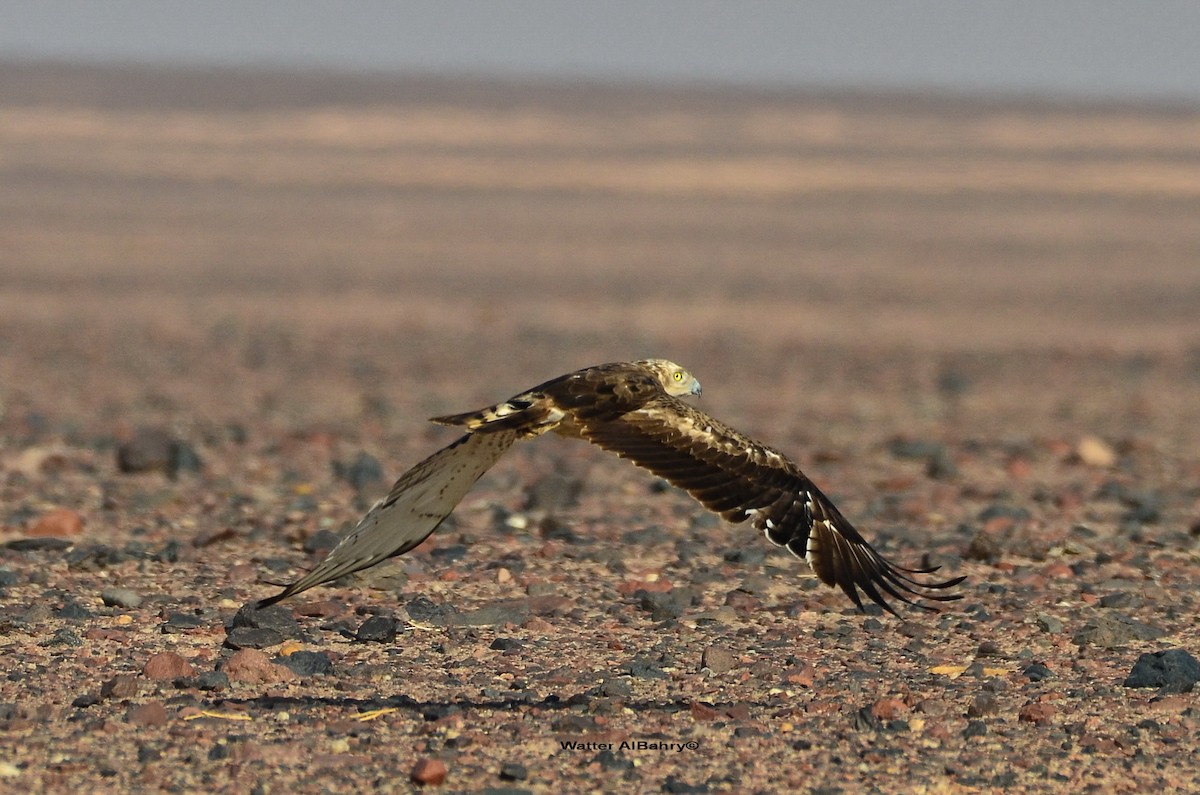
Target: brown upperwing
{"type": "Point", "coordinates": [740, 479]}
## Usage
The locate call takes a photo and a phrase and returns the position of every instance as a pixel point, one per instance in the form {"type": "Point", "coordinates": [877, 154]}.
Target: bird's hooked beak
{"type": "Point", "coordinates": [695, 390]}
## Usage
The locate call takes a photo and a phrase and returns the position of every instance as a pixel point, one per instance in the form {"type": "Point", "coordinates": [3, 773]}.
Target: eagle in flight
{"type": "Point", "coordinates": [634, 410]}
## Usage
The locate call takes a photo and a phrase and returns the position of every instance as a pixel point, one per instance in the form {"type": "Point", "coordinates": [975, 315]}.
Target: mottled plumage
{"type": "Point", "coordinates": [634, 410]}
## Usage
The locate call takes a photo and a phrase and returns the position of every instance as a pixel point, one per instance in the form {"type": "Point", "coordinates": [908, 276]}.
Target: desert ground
{"type": "Point", "coordinates": [229, 301]}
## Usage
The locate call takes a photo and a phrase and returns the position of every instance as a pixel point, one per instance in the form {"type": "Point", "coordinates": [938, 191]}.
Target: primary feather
{"type": "Point", "coordinates": [634, 409]}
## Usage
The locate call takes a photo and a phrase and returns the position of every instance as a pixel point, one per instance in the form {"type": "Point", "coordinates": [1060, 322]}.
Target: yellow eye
{"type": "Point", "coordinates": [678, 376]}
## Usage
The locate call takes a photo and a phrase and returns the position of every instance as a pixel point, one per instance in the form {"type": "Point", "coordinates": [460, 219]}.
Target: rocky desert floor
{"type": "Point", "coordinates": [230, 301]}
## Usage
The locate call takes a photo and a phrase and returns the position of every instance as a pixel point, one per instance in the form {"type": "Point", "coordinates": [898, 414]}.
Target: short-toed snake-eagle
{"type": "Point", "coordinates": [634, 409]}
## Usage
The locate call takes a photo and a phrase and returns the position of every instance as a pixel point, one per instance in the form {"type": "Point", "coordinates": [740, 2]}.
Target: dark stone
{"type": "Point", "coordinates": [8, 577]}
{"type": "Point", "coordinates": [491, 616]}
{"type": "Point", "coordinates": [554, 529]}
{"type": "Point", "coordinates": [276, 617]}
{"type": "Point", "coordinates": [424, 611]}
{"type": "Point", "coordinates": [149, 449]}
{"type": "Point", "coordinates": [610, 761]}
{"type": "Point", "coordinates": [307, 663]}
{"type": "Point", "coordinates": [511, 771]}
{"type": "Point", "coordinates": [749, 555]}
{"type": "Point", "coordinates": [504, 644]}
{"type": "Point", "coordinates": [182, 622]}
{"type": "Point", "coordinates": [643, 667]}
{"type": "Point", "coordinates": [864, 720]}
{"type": "Point", "coordinates": [1037, 672]}
{"type": "Point", "coordinates": [677, 787]}
{"type": "Point", "coordinates": [616, 688]}
{"type": "Point", "coordinates": [73, 611]}
{"type": "Point", "coordinates": [378, 629]}
{"type": "Point", "coordinates": [361, 473]}
{"type": "Point", "coordinates": [212, 680]}
{"type": "Point", "coordinates": [94, 557]}
{"type": "Point", "coordinates": [86, 700]}
{"type": "Point", "coordinates": [253, 638]}
{"type": "Point", "coordinates": [63, 637]}
{"type": "Point", "coordinates": [985, 548]}
{"type": "Point", "coordinates": [1109, 630]}
{"type": "Point", "coordinates": [184, 458]}
{"type": "Point", "coordinates": [1173, 670]}
{"type": "Point", "coordinates": [449, 554]}
{"type": "Point", "coordinates": [321, 541]}
{"type": "Point", "coordinates": [1119, 599]}
{"type": "Point", "coordinates": [43, 544]}
{"type": "Point", "coordinates": [663, 605]}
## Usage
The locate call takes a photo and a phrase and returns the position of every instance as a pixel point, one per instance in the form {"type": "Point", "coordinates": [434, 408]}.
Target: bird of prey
{"type": "Point", "coordinates": [635, 410]}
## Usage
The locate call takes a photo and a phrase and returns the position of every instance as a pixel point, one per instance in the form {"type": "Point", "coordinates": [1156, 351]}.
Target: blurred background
{"type": "Point", "coordinates": [316, 199]}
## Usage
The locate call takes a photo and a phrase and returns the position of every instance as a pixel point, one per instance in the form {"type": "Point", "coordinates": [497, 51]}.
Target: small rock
{"type": "Point", "coordinates": [122, 686]}
{"type": "Point", "coordinates": [276, 617]}
{"type": "Point", "coordinates": [59, 523]}
{"type": "Point", "coordinates": [149, 449]}
{"type": "Point", "coordinates": [1038, 713]}
{"type": "Point", "coordinates": [253, 638]}
{"type": "Point", "coordinates": [251, 666]}
{"type": "Point", "coordinates": [983, 704]}
{"type": "Point", "coordinates": [1048, 623]}
{"type": "Point", "coordinates": [377, 629]}
{"type": "Point", "coordinates": [1112, 629]}
{"type": "Point", "coordinates": [423, 610]}
{"type": "Point", "coordinates": [212, 680]}
{"type": "Point", "coordinates": [182, 622]}
{"type": "Point", "coordinates": [361, 473]}
{"type": "Point", "coordinates": [1095, 452]}
{"type": "Point", "coordinates": [642, 667]}
{"type": "Point", "coordinates": [307, 663]}
{"type": "Point", "coordinates": [121, 597]}
{"type": "Point", "coordinates": [511, 771]}
{"type": "Point", "coordinates": [167, 665]}
{"type": "Point", "coordinates": [664, 605]}
{"type": "Point", "coordinates": [717, 659]}
{"type": "Point", "coordinates": [1037, 672]}
{"type": "Point", "coordinates": [888, 709]}
{"type": "Point", "coordinates": [1173, 670]}
{"type": "Point", "coordinates": [975, 728]}
{"type": "Point", "coordinates": [429, 772]}
{"type": "Point", "coordinates": [321, 541]}
{"type": "Point", "coordinates": [491, 616]}
{"type": "Point", "coordinates": [150, 714]}
{"type": "Point", "coordinates": [505, 644]}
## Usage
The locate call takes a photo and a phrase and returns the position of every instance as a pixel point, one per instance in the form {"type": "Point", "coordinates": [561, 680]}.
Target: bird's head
{"type": "Point", "coordinates": [675, 380]}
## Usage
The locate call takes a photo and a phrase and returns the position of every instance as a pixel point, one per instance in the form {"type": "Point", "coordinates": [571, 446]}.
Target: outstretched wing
{"type": "Point", "coordinates": [422, 497]}
{"type": "Point", "coordinates": [741, 479]}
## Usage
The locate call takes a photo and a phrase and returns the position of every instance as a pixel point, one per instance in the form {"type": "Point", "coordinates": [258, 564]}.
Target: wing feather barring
{"type": "Point", "coordinates": [634, 409]}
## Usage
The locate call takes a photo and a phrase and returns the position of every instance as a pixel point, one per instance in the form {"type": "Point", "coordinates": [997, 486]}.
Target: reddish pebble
{"type": "Point", "coordinates": [59, 523]}
{"type": "Point", "coordinates": [167, 665]}
{"type": "Point", "coordinates": [704, 712]}
{"type": "Point", "coordinates": [251, 666]}
{"type": "Point", "coordinates": [152, 714]}
{"type": "Point", "coordinates": [1038, 714]}
{"type": "Point", "coordinates": [1059, 571]}
{"type": "Point", "coordinates": [429, 771]}
{"type": "Point", "coordinates": [888, 708]}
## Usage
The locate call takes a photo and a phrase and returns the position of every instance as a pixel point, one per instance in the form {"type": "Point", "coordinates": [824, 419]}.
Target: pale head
{"type": "Point", "coordinates": [675, 380]}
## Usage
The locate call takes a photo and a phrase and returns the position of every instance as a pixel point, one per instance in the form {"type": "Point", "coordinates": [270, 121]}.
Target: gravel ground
{"type": "Point", "coordinates": [230, 302]}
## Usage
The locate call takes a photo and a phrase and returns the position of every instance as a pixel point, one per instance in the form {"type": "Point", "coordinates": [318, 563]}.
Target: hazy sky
{"type": "Point", "coordinates": [1090, 48]}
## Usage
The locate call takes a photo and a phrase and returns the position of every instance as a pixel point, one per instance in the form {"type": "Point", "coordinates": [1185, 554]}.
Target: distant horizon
{"type": "Point", "coordinates": [326, 82]}
{"type": "Point", "coordinates": [1072, 50]}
